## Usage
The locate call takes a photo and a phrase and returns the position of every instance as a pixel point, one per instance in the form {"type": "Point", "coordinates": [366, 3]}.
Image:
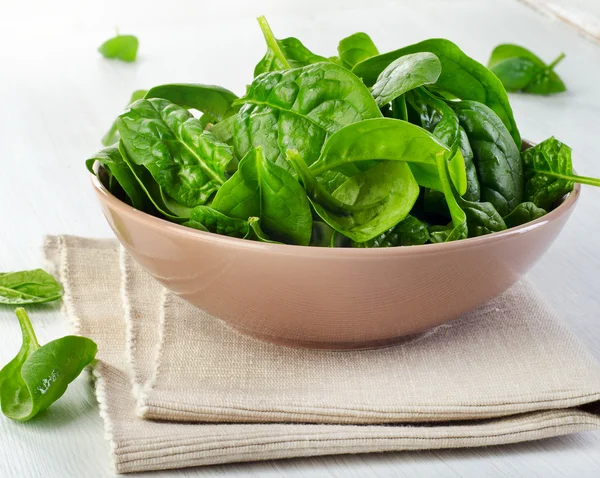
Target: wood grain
{"type": "Point", "coordinates": [59, 96]}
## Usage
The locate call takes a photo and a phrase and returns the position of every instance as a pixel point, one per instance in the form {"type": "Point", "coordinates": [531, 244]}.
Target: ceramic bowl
{"type": "Point", "coordinates": [327, 297]}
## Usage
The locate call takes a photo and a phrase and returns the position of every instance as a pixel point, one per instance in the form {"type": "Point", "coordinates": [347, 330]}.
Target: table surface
{"type": "Point", "coordinates": [59, 96]}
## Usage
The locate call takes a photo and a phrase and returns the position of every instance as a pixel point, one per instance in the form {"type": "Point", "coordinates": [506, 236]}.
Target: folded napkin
{"type": "Point", "coordinates": [178, 388]}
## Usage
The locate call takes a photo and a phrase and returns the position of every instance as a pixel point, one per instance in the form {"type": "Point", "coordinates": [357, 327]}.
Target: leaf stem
{"type": "Point", "coordinates": [558, 59]}
{"type": "Point", "coordinates": [26, 327]}
{"type": "Point", "coordinates": [572, 177]}
{"type": "Point", "coordinates": [272, 41]}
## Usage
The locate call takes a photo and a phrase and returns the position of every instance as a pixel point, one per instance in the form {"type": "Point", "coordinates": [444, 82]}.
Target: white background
{"type": "Point", "coordinates": [58, 96]}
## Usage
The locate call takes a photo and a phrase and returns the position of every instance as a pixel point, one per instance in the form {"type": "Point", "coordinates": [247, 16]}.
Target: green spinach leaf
{"type": "Point", "coordinates": [121, 47]}
{"type": "Point", "coordinates": [207, 219]}
{"type": "Point", "coordinates": [458, 228]}
{"type": "Point", "coordinates": [28, 287]}
{"type": "Point", "coordinates": [162, 204]}
{"type": "Point", "coordinates": [496, 156]}
{"type": "Point", "coordinates": [262, 189]}
{"type": "Point", "coordinates": [38, 376]}
{"type": "Point", "coordinates": [298, 109]}
{"type": "Point", "coordinates": [404, 74]}
{"type": "Point", "coordinates": [521, 70]}
{"type": "Point", "coordinates": [283, 54]}
{"type": "Point", "coordinates": [549, 173]}
{"type": "Point", "coordinates": [438, 118]}
{"type": "Point", "coordinates": [110, 157]}
{"type": "Point", "coordinates": [523, 213]}
{"type": "Point", "coordinates": [209, 99]}
{"type": "Point", "coordinates": [356, 48]}
{"type": "Point", "coordinates": [385, 139]}
{"type": "Point", "coordinates": [187, 162]}
{"type": "Point", "coordinates": [112, 135]}
{"type": "Point", "coordinates": [482, 217]}
{"type": "Point", "coordinates": [461, 76]}
{"type": "Point", "coordinates": [366, 204]}
{"type": "Point", "coordinates": [408, 232]}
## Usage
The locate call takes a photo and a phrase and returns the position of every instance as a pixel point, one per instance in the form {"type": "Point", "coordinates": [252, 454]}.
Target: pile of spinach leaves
{"type": "Point", "coordinates": [363, 149]}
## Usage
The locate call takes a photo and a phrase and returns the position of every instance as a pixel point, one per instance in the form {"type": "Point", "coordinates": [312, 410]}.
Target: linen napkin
{"type": "Point", "coordinates": [179, 388]}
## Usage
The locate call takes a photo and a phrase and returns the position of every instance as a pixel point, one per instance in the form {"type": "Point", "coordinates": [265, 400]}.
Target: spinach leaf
{"type": "Point", "coordinates": [399, 109]}
{"type": "Point", "coordinates": [163, 205]}
{"type": "Point", "coordinates": [121, 47]}
{"type": "Point", "coordinates": [408, 232]}
{"type": "Point", "coordinates": [187, 162]}
{"type": "Point", "coordinates": [28, 287]}
{"type": "Point", "coordinates": [437, 117]}
{"type": "Point", "coordinates": [458, 228]}
{"type": "Point", "coordinates": [523, 213]}
{"type": "Point", "coordinates": [366, 204]}
{"type": "Point", "coordinates": [223, 131]}
{"type": "Point", "coordinates": [496, 156]}
{"type": "Point", "coordinates": [262, 189]}
{"type": "Point", "coordinates": [322, 234]}
{"type": "Point", "coordinates": [209, 99]}
{"type": "Point", "coordinates": [404, 74]}
{"type": "Point", "coordinates": [112, 135]}
{"type": "Point", "coordinates": [549, 173]}
{"type": "Point", "coordinates": [111, 159]}
{"type": "Point", "coordinates": [520, 69]}
{"type": "Point", "coordinates": [207, 219]}
{"type": "Point", "coordinates": [356, 48]}
{"type": "Point", "coordinates": [298, 109]}
{"type": "Point", "coordinates": [38, 376]}
{"type": "Point", "coordinates": [461, 76]}
{"type": "Point", "coordinates": [473, 191]}
{"type": "Point", "coordinates": [385, 139]}
{"type": "Point", "coordinates": [482, 217]}
{"type": "Point", "coordinates": [283, 54]}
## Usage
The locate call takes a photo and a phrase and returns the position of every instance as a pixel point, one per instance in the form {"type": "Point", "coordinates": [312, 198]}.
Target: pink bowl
{"type": "Point", "coordinates": [330, 298]}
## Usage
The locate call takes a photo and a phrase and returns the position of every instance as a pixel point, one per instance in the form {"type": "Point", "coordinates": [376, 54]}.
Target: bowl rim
{"type": "Point", "coordinates": [566, 205]}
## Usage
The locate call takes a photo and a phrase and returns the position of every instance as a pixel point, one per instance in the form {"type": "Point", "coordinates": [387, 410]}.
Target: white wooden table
{"type": "Point", "coordinates": [58, 96]}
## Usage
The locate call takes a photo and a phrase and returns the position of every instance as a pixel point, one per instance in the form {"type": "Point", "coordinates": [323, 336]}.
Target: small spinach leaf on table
{"type": "Point", "coordinates": [120, 47]}
{"type": "Point", "coordinates": [112, 135]}
{"type": "Point", "coordinates": [521, 70]}
{"type": "Point", "coordinates": [262, 189]}
{"type": "Point", "coordinates": [356, 48]}
{"type": "Point", "coordinates": [38, 376]}
{"type": "Point", "coordinates": [549, 173]}
{"type": "Point", "coordinates": [496, 156]}
{"type": "Point", "coordinates": [404, 74]}
{"type": "Point", "coordinates": [366, 204]}
{"type": "Point", "coordinates": [523, 213]}
{"type": "Point", "coordinates": [187, 162]}
{"type": "Point", "coordinates": [28, 287]}
{"type": "Point", "coordinates": [298, 109]}
{"type": "Point", "coordinates": [283, 54]}
{"type": "Point", "coordinates": [461, 76]}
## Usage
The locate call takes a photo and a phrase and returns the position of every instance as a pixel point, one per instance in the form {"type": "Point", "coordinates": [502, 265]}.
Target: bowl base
{"type": "Point", "coordinates": [333, 346]}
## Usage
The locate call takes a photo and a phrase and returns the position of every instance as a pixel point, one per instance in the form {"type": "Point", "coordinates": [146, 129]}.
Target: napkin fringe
{"type": "Point", "coordinates": [101, 396]}
{"type": "Point", "coordinates": [142, 407]}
